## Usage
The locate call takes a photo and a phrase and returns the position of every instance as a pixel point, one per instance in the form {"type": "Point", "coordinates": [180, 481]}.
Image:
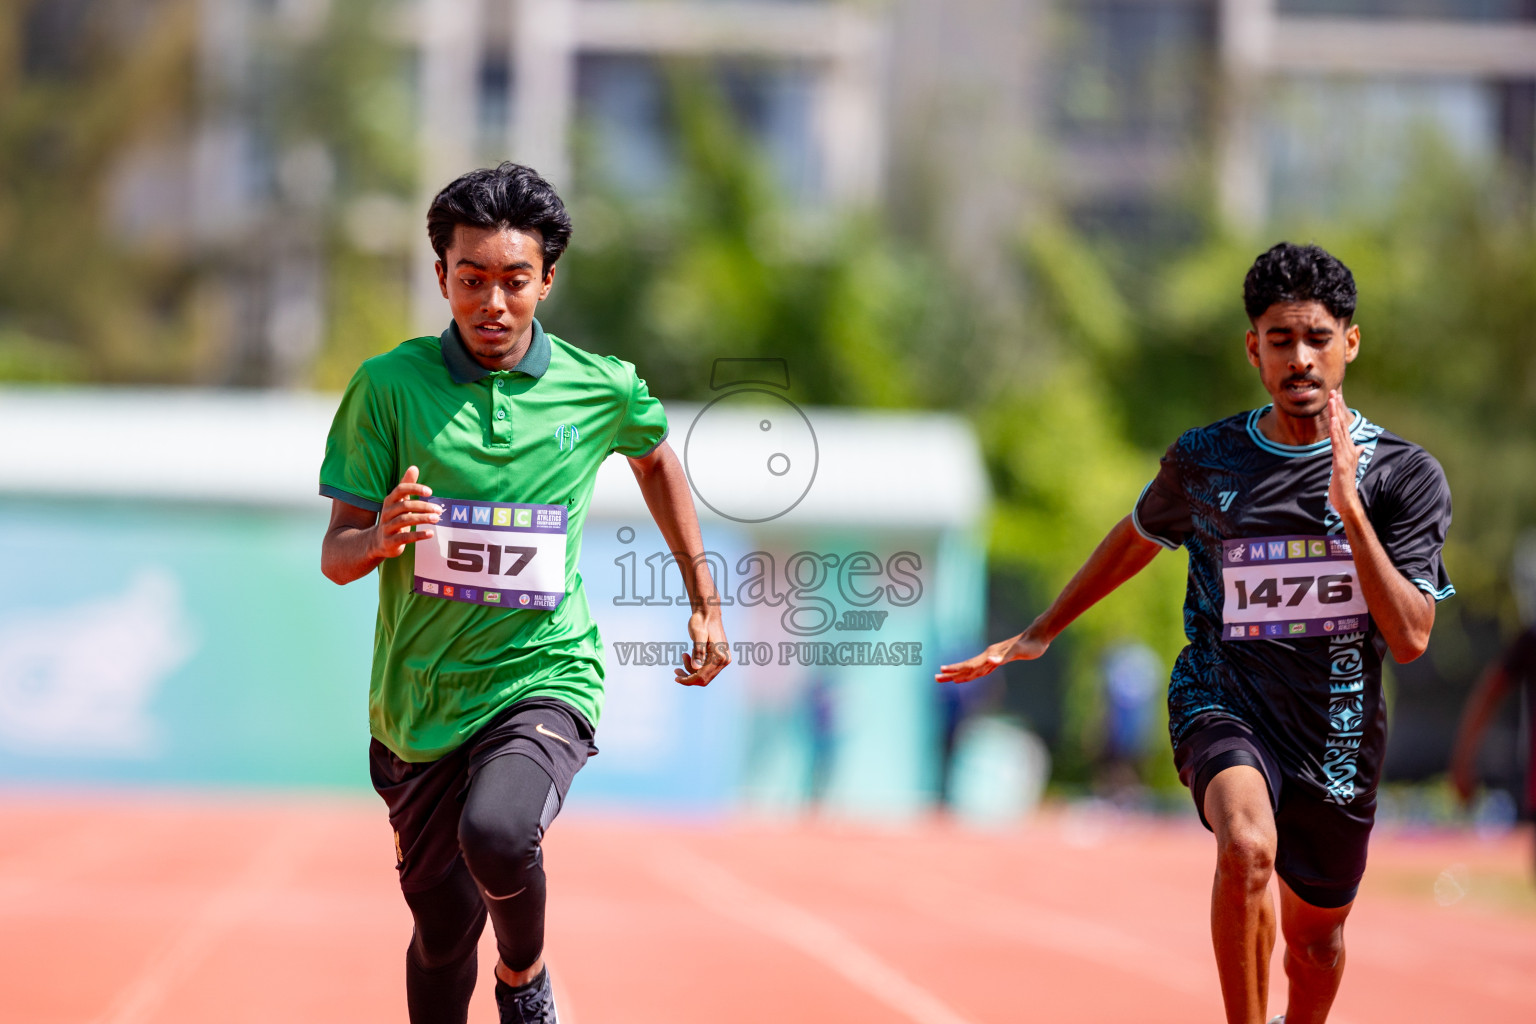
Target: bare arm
{"type": "Point", "coordinates": [357, 540]}
{"type": "Point", "coordinates": [1120, 555]}
{"type": "Point", "coordinates": [1404, 613]}
{"type": "Point", "coordinates": [1485, 698]}
{"type": "Point", "coordinates": [664, 486]}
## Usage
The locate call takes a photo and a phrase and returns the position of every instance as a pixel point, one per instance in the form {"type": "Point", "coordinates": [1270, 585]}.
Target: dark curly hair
{"type": "Point", "coordinates": [1299, 273]}
{"type": "Point", "coordinates": [506, 196]}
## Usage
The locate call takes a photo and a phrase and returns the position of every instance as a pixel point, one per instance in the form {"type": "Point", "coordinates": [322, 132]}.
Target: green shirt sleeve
{"type": "Point", "coordinates": [359, 465]}
{"type": "Point", "coordinates": [644, 425]}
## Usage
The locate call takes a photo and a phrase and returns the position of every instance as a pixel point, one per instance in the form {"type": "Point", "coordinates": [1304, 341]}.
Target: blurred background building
{"type": "Point", "coordinates": [1031, 215]}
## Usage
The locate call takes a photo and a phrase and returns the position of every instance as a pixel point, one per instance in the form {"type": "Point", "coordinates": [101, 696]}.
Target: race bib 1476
{"type": "Point", "coordinates": [1290, 586]}
{"type": "Point", "coordinates": [483, 552]}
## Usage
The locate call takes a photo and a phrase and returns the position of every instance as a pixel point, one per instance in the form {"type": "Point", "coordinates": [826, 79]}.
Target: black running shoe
{"type": "Point", "coordinates": [533, 1003]}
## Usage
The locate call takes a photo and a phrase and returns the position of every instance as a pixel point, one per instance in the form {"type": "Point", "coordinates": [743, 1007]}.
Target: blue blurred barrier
{"type": "Point", "coordinates": [165, 620]}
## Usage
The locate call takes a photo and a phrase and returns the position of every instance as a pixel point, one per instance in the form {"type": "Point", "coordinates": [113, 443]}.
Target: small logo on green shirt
{"type": "Point", "coordinates": [567, 433]}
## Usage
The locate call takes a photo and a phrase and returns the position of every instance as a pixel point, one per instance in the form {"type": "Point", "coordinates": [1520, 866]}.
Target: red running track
{"type": "Point", "coordinates": [186, 910]}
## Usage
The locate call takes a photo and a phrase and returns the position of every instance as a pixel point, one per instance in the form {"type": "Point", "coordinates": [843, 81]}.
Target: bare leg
{"type": "Point", "coordinates": [1314, 955]}
{"type": "Point", "coordinates": [517, 979]}
{"type": "Point", "coordinates": [1242, 913]}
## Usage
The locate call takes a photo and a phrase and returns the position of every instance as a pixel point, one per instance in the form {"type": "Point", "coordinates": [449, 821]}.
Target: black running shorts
{"type": "Point", "coordinates": [425, 799]}
{"type": "Point", "coordinates": [1321, 845]}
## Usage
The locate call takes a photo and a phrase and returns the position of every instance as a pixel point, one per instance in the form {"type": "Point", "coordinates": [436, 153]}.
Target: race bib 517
{"type": "Point", "coordinates": [1290, 586]}
{"type": "Point", "coordinates": [482, 552]}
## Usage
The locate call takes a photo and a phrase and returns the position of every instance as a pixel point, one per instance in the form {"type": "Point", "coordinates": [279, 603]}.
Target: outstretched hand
{"type": "Point", "coordinates": [1023, 647]}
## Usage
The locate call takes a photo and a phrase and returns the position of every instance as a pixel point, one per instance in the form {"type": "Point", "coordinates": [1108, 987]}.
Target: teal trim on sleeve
{"type": "Point", "coordinates": [1429, 588]}
{"type": "Point", "coordinates": [327, 491]}
{"type": "Point", "coordinates": [653, 447]}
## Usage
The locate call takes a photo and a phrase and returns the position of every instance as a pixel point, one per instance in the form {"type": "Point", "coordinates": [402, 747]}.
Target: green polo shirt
{"type": "Point", "coordinates": [535, 434]}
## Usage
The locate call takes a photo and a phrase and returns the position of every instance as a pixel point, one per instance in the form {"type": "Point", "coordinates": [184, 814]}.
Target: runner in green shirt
{"type": "Point", "coordinates": [461, 467]}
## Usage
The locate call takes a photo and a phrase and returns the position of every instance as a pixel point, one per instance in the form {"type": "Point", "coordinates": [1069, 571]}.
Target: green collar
{"type": "Point", "coordinates": [465, 369]}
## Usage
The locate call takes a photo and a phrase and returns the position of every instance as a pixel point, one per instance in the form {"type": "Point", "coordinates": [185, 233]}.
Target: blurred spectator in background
{"type": "Point", "coordinates": [958, 704]}
{"type": "Point", "coordinates": [1516, 669]}
{"type": "Point", "coordinates": [1131, 674]}
{"type": "Point", "coordinates": [821, 708]}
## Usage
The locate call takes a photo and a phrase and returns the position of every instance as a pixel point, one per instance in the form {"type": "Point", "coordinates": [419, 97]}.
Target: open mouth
{"type": "Point", "coordinates": [492, 330]}
{"type": "Point", "coordinates": [1302, 389]}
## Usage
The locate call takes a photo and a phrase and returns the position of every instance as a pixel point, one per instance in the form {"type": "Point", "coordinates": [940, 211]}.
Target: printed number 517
{"type": "Point", "coordinates": [471, 556]}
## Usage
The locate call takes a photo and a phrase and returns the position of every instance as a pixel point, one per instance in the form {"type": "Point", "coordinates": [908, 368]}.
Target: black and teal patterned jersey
{"type": "Point", "coordinates": [1314, 697]}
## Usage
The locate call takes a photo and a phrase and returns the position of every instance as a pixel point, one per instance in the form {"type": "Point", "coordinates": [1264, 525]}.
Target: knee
{"type": "Point", "coordinates": [1246, 854]}
{"type": "Point", "coordinates": [500, 847]}
{"type": "Point", "coordinates": [434, 949]}
{"type": "Point", "coordinates": [448, 920]}
{"type": "Point", "coordinates": [1320, 953]}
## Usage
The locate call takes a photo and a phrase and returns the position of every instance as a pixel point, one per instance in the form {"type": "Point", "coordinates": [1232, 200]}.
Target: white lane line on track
{"type": "Point", "coordinates": [1076, 936]}
{"type": "Point", "coordinates": [264, 873]}
{"type": "Point", "coordinates": [1068, 934]}
{"type": "Point", "coordinates": [717, 889]}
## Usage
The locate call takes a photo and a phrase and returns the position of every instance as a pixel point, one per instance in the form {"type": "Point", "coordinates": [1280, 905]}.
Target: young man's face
{"type": "Point", "coordinates": [1301, 351]}
{"type": "Point", "coordinates": [493, 278]}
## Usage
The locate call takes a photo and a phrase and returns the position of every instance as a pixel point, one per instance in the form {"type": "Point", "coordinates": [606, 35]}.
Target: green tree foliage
{"type": "Point", "coordinates": [80, 85]}
{"type": "Point", "coordinates": [91, 89]}
{"type": "Point", "coordinates": [351, 89]}
{"type": "Point", "coordinates": [725, 267]}
{"type": "Point", "coordinates": [1447, 311]}
{"type": "Point", "coordinates": [1065, 470]}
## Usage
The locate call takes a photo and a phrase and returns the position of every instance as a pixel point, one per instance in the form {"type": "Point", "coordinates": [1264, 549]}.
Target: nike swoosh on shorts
{"type": "Point", "coordinates": [539, 727]}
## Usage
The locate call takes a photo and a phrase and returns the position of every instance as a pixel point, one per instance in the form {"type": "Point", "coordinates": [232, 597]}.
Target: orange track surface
{"type": "Point", "coordinates": [175, 910]}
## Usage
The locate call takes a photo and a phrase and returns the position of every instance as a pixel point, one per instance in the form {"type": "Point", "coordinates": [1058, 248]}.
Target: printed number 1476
{"type": "Point", "coordinates": [1331, 589]}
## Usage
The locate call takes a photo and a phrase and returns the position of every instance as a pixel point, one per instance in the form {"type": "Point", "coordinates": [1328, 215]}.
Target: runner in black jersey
{"type": "Point", "coordinates": [1314, 541]}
